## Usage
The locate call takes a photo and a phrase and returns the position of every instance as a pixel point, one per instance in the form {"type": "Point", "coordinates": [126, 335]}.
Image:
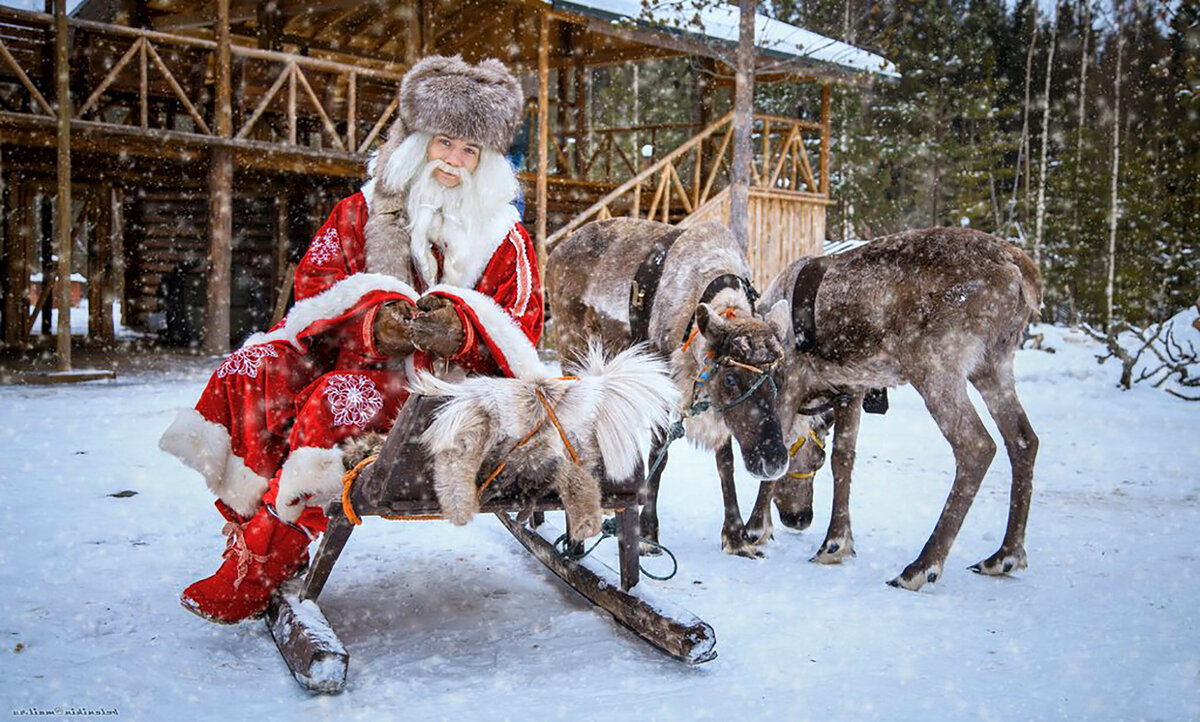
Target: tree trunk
{"type": "Point", "coordinates": [1041, 192]}
{"type": "Point", "coordinates": [743, 108]}
{"type": "Point", "coordinates": [1116, 167]}
{"type": "Point", "coordinates": [844, 139]}
{"type": "Point", "coordinates": [1023, 151]}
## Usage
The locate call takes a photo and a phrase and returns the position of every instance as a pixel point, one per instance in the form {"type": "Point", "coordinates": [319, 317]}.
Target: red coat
{"type": "Point", "coordinates": [267, 425]}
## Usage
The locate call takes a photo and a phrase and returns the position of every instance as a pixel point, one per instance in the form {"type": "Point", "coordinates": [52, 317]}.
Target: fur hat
{"type": "Point", "coordinates": [482, 103]}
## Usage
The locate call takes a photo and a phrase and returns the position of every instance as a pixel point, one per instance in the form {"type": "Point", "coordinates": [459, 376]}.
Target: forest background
{"type": "Point", "coordinates": [963, 138]}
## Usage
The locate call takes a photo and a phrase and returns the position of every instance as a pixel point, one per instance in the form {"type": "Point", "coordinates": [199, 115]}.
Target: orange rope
{"type": "Point", "coordinates": [561, 434]}
{"type": "Point", "coordinates": [348, 481]}
{"type": "Point", "coordinates": [730, 312]}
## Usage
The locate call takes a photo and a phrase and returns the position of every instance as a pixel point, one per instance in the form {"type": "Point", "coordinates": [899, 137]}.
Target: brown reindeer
{"type": "Point", "coordinates": [685, 293]}
{"type": "Point", "coordinates": [936, 308]}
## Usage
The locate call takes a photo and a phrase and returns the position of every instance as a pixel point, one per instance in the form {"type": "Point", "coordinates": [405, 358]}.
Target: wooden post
{"type": "Point", "coordinates": [743, 108]}
{"type": "Point", "coordinates": [281, 246]}
{"type": "Point", "coordinates": [825, 134]}
{"type": "Point", "coordinates": [62, 75]}
{"type": "Point", "coordinates": [16, 260]}
{"type": "Point", "coordinates": [118, 250]}
{"type": "Point", "coordinates": [269, 15]}
{"type": "Point", "coordinates": [412, 41]}
{"type": "Point", "coordinates": [220, 198]}
{"type": "Point", "coordinates": [104, 235]}
{"type": "Point", "coordinates": [95, 263]}
{"type": "Point", "coordinates": [543, 131]}
{"type": "Point", "coordinates": [582, 149]}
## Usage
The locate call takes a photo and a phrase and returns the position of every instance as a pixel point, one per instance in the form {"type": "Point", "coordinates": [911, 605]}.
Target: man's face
{"type": "Point", "coordinates": [456, 152]}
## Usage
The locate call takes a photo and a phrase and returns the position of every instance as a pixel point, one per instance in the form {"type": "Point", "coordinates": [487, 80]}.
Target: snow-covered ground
{"type": "Point", "coordinates": [443, 622]}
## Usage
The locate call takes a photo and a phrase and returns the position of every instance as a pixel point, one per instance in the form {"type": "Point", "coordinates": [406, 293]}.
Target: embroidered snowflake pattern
{"type": "Point", "coordinates": [246, 361]}
{"type": "Point", "coordinates": [354, 400]}
{"type": "Point", "coordinates": [325, 247]}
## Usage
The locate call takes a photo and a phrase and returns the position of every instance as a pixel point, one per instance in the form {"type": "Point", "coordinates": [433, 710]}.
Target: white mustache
{"type": "Point", "coordinates": [439, 164]}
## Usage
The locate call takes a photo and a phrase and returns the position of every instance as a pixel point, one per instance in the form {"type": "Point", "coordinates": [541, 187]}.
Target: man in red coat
{"type": "Point", "coordinates": [427, 268]}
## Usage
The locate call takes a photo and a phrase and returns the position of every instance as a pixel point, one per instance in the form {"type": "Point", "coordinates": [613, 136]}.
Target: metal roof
{"type": "Point", "coordinates": [720, 22]}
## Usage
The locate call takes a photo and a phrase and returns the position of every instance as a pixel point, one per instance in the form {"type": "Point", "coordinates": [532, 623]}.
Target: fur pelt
{"type": "Point", "coordinates": [482, 103]}
{"type": "Point", "coordinates": [604, 414]}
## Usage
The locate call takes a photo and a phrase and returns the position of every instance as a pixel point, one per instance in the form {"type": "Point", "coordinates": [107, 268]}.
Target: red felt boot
{"type": "Point", "coordinates": [261, 554]}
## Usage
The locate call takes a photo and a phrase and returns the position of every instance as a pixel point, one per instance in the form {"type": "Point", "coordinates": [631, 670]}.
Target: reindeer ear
{"type": "Point", "coordinates": [779, 319]}
{"type": "Point", "coordinates": [708, 320]}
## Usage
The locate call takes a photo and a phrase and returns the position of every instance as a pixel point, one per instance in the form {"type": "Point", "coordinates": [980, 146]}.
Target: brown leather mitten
{"type": "Point", "coordinates": [437, 329]}
{"type": "Point", "coordinates": [391, 328]}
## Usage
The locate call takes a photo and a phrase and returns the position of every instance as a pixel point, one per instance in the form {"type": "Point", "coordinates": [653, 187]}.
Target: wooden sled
{"type": "Point", "coordinates": [398, 484]}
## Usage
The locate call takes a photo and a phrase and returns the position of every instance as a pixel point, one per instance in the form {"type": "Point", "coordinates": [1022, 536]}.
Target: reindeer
{"type": "Point", "coordinates": [685, 293]}
{"type": "Point", "coordinates": [935, 308]}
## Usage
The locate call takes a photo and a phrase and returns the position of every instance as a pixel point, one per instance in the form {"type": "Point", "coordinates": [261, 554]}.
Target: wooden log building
{"type": "Point", "coordinates": [199, 143]}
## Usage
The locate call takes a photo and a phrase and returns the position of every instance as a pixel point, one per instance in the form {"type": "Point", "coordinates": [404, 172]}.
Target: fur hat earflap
{"type": "Point", "coordinates": [446, 95]}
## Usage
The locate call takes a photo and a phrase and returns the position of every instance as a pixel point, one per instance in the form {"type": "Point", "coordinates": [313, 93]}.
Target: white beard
{"type": "Point", "coordinates": [466, 223]}
{"type": "Point", "coordinates": [438, 217]}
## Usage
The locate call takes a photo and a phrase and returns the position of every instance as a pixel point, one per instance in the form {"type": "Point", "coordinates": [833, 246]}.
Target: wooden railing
{"type": "Point", "coordinates": [151, 80]}
{"type": "Point", "coordinates": [688, 177]}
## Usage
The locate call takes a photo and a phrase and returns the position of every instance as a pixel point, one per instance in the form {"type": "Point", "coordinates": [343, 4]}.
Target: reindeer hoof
{"type": "Point", "coordinates": [1001, 563]}
{"type": "Point", "coordinates": [740, 545]}
{"type": "Point", "coordinates": [649, 550]}
{"type": "Point", "coordinates": [834, 551]}
{"type": "Point", "coordinates": [760, 537]}
{"type": "Point", "coordinates": [914, 577]}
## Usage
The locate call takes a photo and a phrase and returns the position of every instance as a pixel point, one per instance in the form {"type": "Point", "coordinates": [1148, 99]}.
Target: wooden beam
{"type": "Point", "coordinates": [62, 74]}
{"type": "Point", "coordinates": [220, 199]}
{"type": "Point", "coordinates": [543, 132]}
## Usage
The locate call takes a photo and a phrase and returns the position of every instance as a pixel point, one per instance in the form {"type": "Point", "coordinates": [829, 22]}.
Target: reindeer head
{"type": "Point", "coordinates": [793, 492]}
{"type": "Point", "coordinates": [735, 374]}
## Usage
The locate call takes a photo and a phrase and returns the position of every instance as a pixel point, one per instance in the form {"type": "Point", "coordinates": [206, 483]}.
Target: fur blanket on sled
{"type": "Point", "coordinates": [604, 407]}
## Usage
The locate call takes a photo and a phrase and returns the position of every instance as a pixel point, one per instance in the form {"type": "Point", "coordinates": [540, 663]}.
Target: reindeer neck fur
{"type": "Point", "coordinates": [706, 252]}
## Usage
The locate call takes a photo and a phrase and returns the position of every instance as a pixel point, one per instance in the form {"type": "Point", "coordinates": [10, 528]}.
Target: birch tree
{"type": "Point", "coordinates": [1116, 167]}
{"type": "Point", "coordinates": [1041, 192]}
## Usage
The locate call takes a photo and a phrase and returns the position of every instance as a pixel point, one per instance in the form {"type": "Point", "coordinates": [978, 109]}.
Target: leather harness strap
{"type": "Point", "coordinates": [645, 285]}
{"type": "Point", "coordinates": [715, 286]}
{"type": "Point", "coordinates": [804, 303]}
{"type": "Point", "coordinates": [804, 325]}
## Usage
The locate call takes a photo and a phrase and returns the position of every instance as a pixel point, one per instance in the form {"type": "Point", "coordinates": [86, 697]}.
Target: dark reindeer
{"type": "Point", "coordinates": [936, 308]}
{"type": "Point", "coordinates": [685, 293]}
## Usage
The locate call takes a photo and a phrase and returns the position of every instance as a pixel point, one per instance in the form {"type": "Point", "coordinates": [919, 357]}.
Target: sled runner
{"type": "Point", "coordinates": [398, 484]}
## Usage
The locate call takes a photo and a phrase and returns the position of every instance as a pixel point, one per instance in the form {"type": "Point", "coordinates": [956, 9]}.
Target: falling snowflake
{"type": "Point", "coordinates": [245, 361]}
{"type": "Point", "coordinates": [353, 399]}
{"type": "Point", "coordinates": [325, 247]}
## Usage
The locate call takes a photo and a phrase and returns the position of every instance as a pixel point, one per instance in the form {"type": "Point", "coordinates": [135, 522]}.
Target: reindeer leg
{"type": "Point", "coordinates": [733, 533]}
{"type": "Point", "coordinates": [998, 388]}
{"type": "Point", "coordinates": [974, 449]}
{"type": "Point", "coordinates": [760, 528]}
{"type": "Point", "coordinates": [648, 518]}
{"type": "Point", "coordinates": [839, 540]}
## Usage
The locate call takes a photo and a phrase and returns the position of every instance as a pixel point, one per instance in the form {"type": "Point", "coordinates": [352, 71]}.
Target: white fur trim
{"type": "Point", "coordinates": [204, 446]}
{"type": "Point", "coordinates": [331, 303]}
{"type": "Point", "coordinates": [520, 355]}
{"type": "Point", "coordinates": [368, 190]}
{"type": "Point", "coordinates": [308, 470]}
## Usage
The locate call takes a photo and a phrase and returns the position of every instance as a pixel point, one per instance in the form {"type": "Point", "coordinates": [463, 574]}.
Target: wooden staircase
{"type": "Point", "coordinates": [690, 185]}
